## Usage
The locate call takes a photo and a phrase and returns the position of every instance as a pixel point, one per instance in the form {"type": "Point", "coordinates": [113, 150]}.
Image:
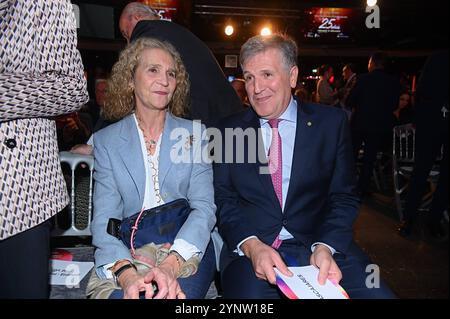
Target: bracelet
{"type": "Point", "coordinates": [117, 263]}
{"type": "Point", "coordinates": [180, 259]}
{"type": "Point", "coordinates": [119, 271]}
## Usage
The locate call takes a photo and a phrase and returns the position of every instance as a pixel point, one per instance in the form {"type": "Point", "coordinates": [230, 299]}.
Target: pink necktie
{"type": "Point", "coordinates": [276, 168]}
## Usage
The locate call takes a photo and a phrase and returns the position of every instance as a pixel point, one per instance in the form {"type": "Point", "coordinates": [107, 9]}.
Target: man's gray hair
{"type": "Point", "coordinates": [259, 44]}
{"type": "Point", "coordinates": [140, 9]}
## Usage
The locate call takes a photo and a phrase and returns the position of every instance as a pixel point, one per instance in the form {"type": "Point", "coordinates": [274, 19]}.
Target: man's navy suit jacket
{"type": "Point", "coordinates": [321, 203]}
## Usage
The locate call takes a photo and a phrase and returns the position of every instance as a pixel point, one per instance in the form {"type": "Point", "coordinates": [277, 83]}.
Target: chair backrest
{"type": "Point", "coordinates": [403, 149]}
{"type": "Point", "coordinates": [73, 160]}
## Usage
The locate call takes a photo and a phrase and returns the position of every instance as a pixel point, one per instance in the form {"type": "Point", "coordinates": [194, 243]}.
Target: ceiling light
{"type": "Point", "coordinates": [229, 30]}
{"type": "Point", "coordinates": [266, 31]}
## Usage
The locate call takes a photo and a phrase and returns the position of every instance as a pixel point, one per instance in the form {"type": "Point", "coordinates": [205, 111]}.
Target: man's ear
{"type": "Point", "coordinates": [293, 75]}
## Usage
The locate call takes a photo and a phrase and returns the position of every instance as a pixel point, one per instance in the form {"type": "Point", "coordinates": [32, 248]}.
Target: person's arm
{"type": "Point", "coordinates": [322, 258]}
{"type": "Point", "coordinates": [264, 258]}
{"type": "Point", "coordinates": [40, 95]}
{"type": "Point", "coordinates": [342, 202]}
{"type": "Point", "coordinates": [197, 229]}
{"type": "Point", "coordinates": [110, 250]}
{"type": "Point", "coordinates": [41, 72]}
{"type": "Point", "coordinates": [185, 250]}
{"type": "Point", "coordinates": [334, 234]}
{"type": "Point", "coordinates": [107, 204]}
{"type": "Point", "coordinates": [233, 224]}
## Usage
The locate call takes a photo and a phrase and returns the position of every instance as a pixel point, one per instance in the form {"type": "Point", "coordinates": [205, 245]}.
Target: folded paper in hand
{"type": "Point", "coordinates": [304, 284]}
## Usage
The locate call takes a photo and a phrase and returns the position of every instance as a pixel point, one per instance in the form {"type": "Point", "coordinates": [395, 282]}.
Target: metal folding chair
{"type": "Point", "coordinates": [403, 155]}
{"type": "Point", "coordinates": [81, 191]}
{"type": "Point", "coordinates": [378, 169]}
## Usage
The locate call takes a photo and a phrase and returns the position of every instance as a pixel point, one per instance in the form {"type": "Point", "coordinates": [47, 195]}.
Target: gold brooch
{"type": "Point", "coordinates": [189, 141]}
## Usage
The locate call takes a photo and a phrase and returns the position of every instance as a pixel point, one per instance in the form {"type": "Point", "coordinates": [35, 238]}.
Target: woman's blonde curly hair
{"type": "Point", "coordinates": [120, 99]}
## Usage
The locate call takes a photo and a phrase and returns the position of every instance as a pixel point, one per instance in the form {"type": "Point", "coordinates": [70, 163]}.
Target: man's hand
{"type": "Point", "coordinates": [328, 269]}
{"type": "Point", "coordinates": [264, 258]}
{"type": "Point", "coordinates": [82, 149]}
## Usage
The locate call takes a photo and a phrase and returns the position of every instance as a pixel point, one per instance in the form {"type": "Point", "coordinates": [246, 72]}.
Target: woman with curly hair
{"type": "Point", "coordinates": [137, 169]}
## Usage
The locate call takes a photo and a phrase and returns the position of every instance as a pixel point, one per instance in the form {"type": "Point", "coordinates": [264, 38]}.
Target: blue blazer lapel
{"type": "Point", "coordinates": [129, 148]}
{"type": "Point", "coordinates": [304, 137]}
{"type": "Point", "coordinates": [165, 162]}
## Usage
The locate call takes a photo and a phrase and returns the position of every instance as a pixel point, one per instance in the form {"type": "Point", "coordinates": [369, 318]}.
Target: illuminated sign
{"type": "Point", "coordinates": [165, 8]}
{"type": "Point", "coordinates": [328, 23]}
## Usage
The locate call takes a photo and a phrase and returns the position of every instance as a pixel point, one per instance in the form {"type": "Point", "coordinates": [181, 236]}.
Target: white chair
{"type": "Point", "coordinates": [403, 155]}
{"type": "Point", "coordinates": [79, 209]}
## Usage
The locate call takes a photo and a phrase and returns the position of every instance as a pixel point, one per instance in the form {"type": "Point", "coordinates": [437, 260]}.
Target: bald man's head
{"type": "Point", "coordinates": [132, 14]}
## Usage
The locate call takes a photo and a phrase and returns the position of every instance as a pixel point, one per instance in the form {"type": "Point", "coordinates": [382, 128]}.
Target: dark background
{"type": "Point", "coordinates": [410, 31]}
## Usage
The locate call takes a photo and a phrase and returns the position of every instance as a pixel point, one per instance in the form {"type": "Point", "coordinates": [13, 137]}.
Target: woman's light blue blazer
{"type": "Point", "coordinates": [120, 182]}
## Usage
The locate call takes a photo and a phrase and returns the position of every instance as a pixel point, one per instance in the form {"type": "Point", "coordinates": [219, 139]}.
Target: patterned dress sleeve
{"type": "Point", "coordinates": [41, 72]}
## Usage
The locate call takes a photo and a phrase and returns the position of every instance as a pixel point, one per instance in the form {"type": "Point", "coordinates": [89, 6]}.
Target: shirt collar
{"type": "Point", "coordinates": [289, 115]}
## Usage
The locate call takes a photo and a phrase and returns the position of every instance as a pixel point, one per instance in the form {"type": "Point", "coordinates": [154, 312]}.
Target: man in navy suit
{"type": "Point", "coordinates": [300, 210]}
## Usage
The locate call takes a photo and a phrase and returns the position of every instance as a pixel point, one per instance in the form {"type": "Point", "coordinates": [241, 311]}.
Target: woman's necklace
{"type": "Point", "coordinates": [150, 143]}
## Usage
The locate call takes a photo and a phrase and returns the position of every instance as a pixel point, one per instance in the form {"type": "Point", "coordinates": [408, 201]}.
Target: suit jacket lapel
{"type": "Point", "coordinates": [129, 148]}
{"type": "Point", "coordinates": [265, 179]}
{"type": "Point", "coordinates": [304, 136]}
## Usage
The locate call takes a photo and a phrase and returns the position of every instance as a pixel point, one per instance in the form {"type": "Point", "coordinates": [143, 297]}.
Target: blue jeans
{"type": "Point", "coordinates": [195, 286]}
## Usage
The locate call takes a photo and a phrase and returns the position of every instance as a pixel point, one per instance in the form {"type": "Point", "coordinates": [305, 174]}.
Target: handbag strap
{"type": "Point", "coordinates": [144, 213]}
{"type": "Point", "coordinates": [134, 230]}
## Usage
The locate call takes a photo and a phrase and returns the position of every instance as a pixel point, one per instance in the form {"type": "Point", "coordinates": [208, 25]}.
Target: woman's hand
{"type": "Point", "coordinates": [165, 277]}
{"type": "Point", "coordinates": [132, 284]}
